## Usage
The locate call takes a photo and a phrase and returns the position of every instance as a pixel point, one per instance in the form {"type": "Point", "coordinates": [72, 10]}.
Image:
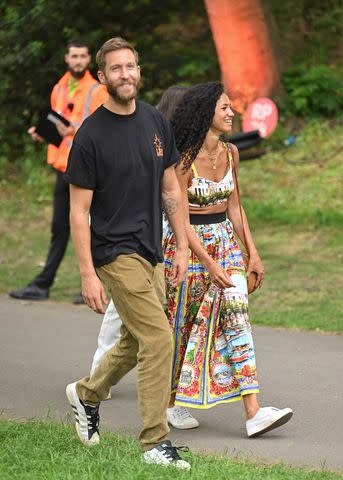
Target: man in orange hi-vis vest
{"type": "Point", "coordinates": [75, 96]}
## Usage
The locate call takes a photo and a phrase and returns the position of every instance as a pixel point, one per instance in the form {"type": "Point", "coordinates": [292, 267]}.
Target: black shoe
{"type": "Point", "coordinates": [79, 300]}
{"type": "Point", "coordinates": [31, 292]}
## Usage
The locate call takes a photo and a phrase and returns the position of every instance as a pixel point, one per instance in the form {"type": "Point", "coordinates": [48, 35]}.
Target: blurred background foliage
{"type": "Point", "coordinates": [175, 44]}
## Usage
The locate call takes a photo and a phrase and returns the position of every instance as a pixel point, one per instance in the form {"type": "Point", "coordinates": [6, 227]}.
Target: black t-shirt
{"type": "Point", "coordinates": [122, 158]}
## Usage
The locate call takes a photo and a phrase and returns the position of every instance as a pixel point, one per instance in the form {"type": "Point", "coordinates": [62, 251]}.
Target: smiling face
{"type": "Point", "coordinates": [77, 59]}
{"type": "Point", "coordinates": [121, 75]}
{"type": "Point", "coordinates": [223, 116]}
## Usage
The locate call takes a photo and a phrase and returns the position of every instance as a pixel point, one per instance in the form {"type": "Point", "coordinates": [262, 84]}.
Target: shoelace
{"type": "Point", "coordinates": [182, 413]}
{"type": "Point", "coordinates": [93, 418]}
{"type": "Point", "coordinates": [172, 452]}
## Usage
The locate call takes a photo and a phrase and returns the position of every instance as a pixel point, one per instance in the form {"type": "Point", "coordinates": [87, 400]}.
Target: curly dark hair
{"type": "Point", "coordinates": [193, 118]}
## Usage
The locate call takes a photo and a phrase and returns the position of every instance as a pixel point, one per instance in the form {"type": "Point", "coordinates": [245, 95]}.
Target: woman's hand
{"type": "Point", "coordinates": [256, 266]}
{"type": "Point", "coordinates": [219, 277]}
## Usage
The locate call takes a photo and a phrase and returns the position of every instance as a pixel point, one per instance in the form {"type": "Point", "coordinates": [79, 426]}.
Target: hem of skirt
{"type": "Point", "coordinates": [247, 392]}
{"type": "Point", "coordinates": [219, 402]}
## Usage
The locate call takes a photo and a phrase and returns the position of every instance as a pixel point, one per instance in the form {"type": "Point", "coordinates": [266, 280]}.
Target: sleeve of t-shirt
{"type": "Point", "coordinates": [81, 167]}
{"type": "Point", "coordinates": [171, 155]}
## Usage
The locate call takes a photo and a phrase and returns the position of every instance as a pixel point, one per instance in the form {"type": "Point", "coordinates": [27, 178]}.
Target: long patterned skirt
{"type": "Point", "coordinates": [214, 359]}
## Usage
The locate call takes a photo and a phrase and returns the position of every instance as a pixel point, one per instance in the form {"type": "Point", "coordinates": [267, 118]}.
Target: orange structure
{"type": "Point", "coordinates": [244, 50]}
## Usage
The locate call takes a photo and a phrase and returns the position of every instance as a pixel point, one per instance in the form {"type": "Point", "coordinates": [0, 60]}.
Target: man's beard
{"type": "Point", "coordinates": [78, 74]}
{"type": "Point", "coordinates": [122, 99]}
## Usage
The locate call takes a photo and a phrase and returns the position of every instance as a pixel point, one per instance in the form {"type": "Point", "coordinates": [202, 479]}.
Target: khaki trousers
{"type": "Point", "coordinates": [137, 290]}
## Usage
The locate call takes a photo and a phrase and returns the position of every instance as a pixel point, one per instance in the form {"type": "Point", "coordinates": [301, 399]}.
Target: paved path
{"type": "Point", "coordinates": [44, 346]}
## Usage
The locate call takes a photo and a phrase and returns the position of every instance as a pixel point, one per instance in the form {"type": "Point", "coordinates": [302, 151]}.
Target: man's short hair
{"type": "Point", "coordinates": [77, 44]}
{"type": "Point", "coordinates": [113, 44]}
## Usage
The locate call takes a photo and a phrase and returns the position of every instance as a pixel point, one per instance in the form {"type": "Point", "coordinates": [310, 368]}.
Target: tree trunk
{"type": "Point", "coordinates": [245, 54]}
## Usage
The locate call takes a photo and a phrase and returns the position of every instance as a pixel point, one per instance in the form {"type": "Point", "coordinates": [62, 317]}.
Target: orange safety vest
{"type": "Point", "coordinates": [87, 97]}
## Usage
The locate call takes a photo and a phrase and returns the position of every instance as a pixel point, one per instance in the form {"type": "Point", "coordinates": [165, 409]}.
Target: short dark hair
{"type": "Point", "coordinates": [77, 44]}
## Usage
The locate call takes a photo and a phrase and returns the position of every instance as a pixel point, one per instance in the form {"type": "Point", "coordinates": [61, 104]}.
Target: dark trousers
{"type": "Point", "coordinates": [60, 230]}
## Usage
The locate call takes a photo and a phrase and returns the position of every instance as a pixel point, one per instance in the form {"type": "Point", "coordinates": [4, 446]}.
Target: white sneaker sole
{"type": "Point", "coordinates": [180, 464]}
{"type": "Point", "coordinates": [286, 415]}
{"type": "Point", "coordinates": [75, 404]}
{"type": "Point", "coordinates": [184, 427]}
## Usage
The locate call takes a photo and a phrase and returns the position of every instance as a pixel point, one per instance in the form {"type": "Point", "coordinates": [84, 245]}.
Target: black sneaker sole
{"type": "Point", "coordinates": [36, 299]}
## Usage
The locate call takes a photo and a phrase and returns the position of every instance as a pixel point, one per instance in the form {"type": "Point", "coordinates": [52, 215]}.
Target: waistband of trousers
{"type": "Point", "coordinates": [196, 219]}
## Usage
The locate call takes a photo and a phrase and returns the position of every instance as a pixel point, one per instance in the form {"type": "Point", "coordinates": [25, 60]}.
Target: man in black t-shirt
{"type": "Point", "coordinates": [120, 167]}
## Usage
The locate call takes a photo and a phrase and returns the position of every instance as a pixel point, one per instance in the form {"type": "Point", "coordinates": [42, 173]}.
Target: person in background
{"type": "Point", "coordinates": [214, 356]}
{"type": "Point", "coordinates": [120, 168]}
{"type": "Point", "coordinates": [110, 328]}
{"type": "Point", "coordinates": [75, 96]}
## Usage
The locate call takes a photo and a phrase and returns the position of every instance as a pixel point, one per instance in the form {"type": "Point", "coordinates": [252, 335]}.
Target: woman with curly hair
{"type": "Point", "coordinates": [214, 357]}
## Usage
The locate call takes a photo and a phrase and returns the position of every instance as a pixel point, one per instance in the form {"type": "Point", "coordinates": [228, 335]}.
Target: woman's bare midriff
{"type": "Point", "coordinates": [219, 208]}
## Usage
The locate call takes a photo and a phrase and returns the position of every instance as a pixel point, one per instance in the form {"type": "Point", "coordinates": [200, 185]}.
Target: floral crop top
{"type": "Point", "coordinates": [204, 193]}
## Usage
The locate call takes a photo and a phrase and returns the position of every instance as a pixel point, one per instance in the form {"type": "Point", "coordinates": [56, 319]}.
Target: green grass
{"type": "Point", "coordinates": [37, 450]}
{"type": "Point", "coordinates": [25, 214]}
{"type": "Point", "coordinates": [294, 201]}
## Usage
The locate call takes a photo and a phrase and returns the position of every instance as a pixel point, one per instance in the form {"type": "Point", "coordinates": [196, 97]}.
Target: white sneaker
{"type": "Point", "coordinates": [165, 454]}
{"type": "Point", "coordinates": [179, 417]}
{"type": "Point", "coordinates": [86, 417]}
{"type": "Point", "coordinates": [266, 419]}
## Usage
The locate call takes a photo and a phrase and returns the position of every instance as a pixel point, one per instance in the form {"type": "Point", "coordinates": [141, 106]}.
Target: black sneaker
{"type": "Point", "coordinates": [30, 292]}
{"type": "Point", "coordinates": [86, 416]}
{"type": "Point", "coordinates": [165, 454]}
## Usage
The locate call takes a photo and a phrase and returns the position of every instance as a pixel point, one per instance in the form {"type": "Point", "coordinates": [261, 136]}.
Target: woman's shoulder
{"type": "Point", "coordinates": [233, 153]}
{"type": "Point", "coordinates": [231, 146]}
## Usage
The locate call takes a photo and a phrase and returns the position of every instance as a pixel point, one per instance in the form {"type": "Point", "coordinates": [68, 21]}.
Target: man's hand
{"type": "Point", "coordinates": [179, 267]}
{"type": "Point", "coordinates": [35, 137]}
{"type": "Point", "coordinates": [63, 130]}
{"type": "Point", "coordinates": [93, 293]}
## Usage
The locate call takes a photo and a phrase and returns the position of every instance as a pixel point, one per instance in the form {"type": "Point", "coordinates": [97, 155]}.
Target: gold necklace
{"type": "Point", "coordinates": [212, 156]}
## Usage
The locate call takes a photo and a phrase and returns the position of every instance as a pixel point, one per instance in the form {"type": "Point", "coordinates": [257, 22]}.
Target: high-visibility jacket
{"type": "Point", "coordinates": [87, 97]}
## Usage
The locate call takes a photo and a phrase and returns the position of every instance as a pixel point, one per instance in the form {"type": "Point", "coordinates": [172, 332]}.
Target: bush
{"type": "Point", "coordinates": [314, 91]}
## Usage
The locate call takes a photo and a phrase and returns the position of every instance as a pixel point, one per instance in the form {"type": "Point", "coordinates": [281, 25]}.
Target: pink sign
{"type": "Point", "coordinates": [261, 115]}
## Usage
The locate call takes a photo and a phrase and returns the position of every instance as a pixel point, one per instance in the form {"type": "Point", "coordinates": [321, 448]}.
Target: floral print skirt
{"type": "Point", "coordinates": [214, 358]}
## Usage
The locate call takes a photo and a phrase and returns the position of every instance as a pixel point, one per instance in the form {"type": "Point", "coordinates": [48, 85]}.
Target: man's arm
{"type": "Point", "coordinates": [92, 289]}
{"type": "Point", "coordinates": [172, 203]}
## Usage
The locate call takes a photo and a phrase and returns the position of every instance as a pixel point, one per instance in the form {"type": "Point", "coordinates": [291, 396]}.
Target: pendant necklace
{"type": "Point", "coordinates": [212, 156]}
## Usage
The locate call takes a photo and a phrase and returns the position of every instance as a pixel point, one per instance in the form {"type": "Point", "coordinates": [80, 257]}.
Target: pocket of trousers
{"type": "Point", "coordinates": [128, 272]}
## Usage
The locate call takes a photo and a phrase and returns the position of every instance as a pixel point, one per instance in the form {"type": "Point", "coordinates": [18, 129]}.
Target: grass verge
{"type": "Point", "coordinates": [37, 450]}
